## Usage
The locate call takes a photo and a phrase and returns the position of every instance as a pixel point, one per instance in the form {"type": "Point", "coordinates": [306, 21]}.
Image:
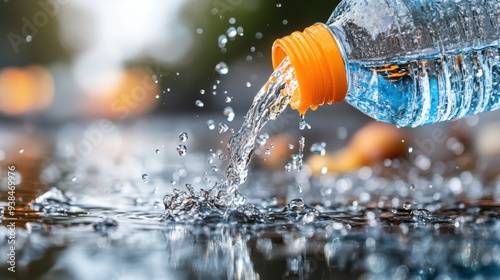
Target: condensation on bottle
{"type": "Point", "coordinates": [413, 63]}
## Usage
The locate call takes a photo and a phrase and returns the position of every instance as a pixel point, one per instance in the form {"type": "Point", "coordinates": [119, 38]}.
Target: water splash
{"type": "Point", "coordinates": [267, 105]}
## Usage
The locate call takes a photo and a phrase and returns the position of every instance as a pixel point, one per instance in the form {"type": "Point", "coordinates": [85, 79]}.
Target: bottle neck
{"type": "Point", "coordinates": [318, 64]}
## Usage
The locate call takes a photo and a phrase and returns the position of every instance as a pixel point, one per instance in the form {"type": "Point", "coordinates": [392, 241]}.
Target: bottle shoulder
{"type": "Point", "coordinates": [381, 30]}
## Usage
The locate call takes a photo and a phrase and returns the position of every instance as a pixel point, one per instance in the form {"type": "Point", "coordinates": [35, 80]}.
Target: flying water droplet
{"type": "Point", "coordinates": [222, 156]}
{"type": "Point", "coordinates": [229, 113]}
{"type": "Point", "coordinates": [222, 68]}
{"type": "Point", "coordinates": [21, 151]}
{"type": "Point", "coordinates": [302, 123]}
{"type": "Point", "coordinates": [407, 205]}
{"type": "Point", "coordinates": [248, 84]}
{"type": "Point", "coordinates": [183, 137]}
{"type": "Point", "coordinates": [157, 151]}
{"type": "Point", "coordinates": [199, 103]}
{"type": "Point", "coordinates": [228, 99]}
{"type": "Point", "coordinates": [182, 150]}
{"type": "Point", "coordinates": [239, 30]}
{"type": "Point", "coordinates": [222, 40]}
{"type": "Point", "coordinates": [231, 32]}
{"type": "Point", "coordinates": [318, 148]}
{"type": "Point", "coordinates": [223, 127]}
{"type": "Point", "coordinates": [145, 177]}
{"type": "Point", "coordinates": [211, 124]}
{"type": "Point", "coordinates": [262, 139]}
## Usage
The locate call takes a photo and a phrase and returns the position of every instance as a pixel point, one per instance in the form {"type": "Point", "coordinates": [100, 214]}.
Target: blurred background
{"type": "Point", "coordinates": [188, 65]}
{"type": "Point", "coordinates": [68, 59]}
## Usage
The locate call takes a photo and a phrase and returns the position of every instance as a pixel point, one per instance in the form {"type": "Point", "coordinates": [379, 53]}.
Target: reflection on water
{"type": "Point", "coordinates": [99, 219]}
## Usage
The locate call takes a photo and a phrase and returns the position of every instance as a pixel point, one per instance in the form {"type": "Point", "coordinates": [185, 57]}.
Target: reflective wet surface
{"type": "Point", "coordinates": [101, 213]}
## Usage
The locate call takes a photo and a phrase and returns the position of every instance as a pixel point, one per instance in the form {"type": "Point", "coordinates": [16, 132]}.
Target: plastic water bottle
{"type": "Point", "coordinates": [406, 62]}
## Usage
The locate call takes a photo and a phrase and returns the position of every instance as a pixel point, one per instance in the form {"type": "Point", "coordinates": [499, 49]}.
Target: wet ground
{"type": "Point", "coordinates": [90, 205]}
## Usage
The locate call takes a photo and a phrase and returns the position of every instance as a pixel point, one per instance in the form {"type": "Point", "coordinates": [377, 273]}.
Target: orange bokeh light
{"type": "Point", "coordinates": [25, 90]}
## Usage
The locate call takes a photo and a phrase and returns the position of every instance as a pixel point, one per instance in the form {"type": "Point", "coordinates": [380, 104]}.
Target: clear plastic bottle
{"type": "Point", "coordinates": [406, 62]}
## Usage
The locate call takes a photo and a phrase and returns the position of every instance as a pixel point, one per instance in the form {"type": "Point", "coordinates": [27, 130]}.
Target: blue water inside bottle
{"type": "Point", "coordinates": [416, 62]}
{"type": "Point", "coordinates": [427, 90]}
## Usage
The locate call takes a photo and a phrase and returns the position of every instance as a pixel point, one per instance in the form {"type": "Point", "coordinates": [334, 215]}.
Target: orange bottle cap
{"type": "Point", "coordinates": [318, 64]}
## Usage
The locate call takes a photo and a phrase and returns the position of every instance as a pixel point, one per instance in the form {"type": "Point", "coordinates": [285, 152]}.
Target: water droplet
{"type": "Point", "coordinates": [157, 96]}
{"type": "Point", "coordinates": [222, 40]}
{"type": "Point", "coordinates": [222, 156]}
{"type": "Point", "coordinates": [232, 20]}
{"type": "Point", "coordinates": [299, 189]}
{"type": "Point", "coordinates": [182, 150]}
{"type": "Point", "coordinates": [199, 103]}
{"type": "Point", "coordinates": [239, 30]}
{"type": "Point", "coordinates": [267, 152]}
{"type": "Point", "coordinates": [222, 69]}
{"type": "Point", "coordinates": [285, 22]}
{"type": "Point", "coordinates": [211, 124]}
{"type": "Point", "coordinates": [394, 210]}
{"type": "Point", "coordinates": [413, 187]}
{"type": "Point", "coordinates": [248, 84]}
{"type": "Point", "coordinates": [262, 139]}
{"type": "Point", "coordinates": [410, 150]}
{"type": "Point", "coordinates": [324, 170]}
{"type": "Point", "coordinates": [291, 146]}
{"type": "Point", "coordinates": [302, 123]}
{"type": "Point", "coordinates": [183, 137]}
{"type": "Point", "coordinates": [318, 148]}
{"type": "Point", "coordinates": [296, 205]}
{"type": "Point", "coordinates": [21, 151]}
{"type": "Point", "coordinates": [202, 91]}
{"type": "Point", "coordinates": [190, 189]}
{"type": "Point", "coordinates": [199, 31]}
{"type": "Point", "coordinates": [258, 35]}
{"type": "Point", "coordinates": [223, 127]}
{"type": "Point", "coordinates": [157, 151]}
{"type": "Point", "coordinates": [229, 113]}
{"type": "Point", "coordinates": [407, 205]}
{"type": "Point", "coordinates": [228, 99]}
{"type": "Point", "coordinates": [231, 32]}
{"type": "Point", "coordinates": [144, 177]}
{"type": "Point", "coordinates": [74, 179]}
{"type": "Point", "coordinates": [288, 166]}
{"type": "Point", "coordinates": [252, 49]}
{"type": "Point", "coordinates": [278, 5]}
